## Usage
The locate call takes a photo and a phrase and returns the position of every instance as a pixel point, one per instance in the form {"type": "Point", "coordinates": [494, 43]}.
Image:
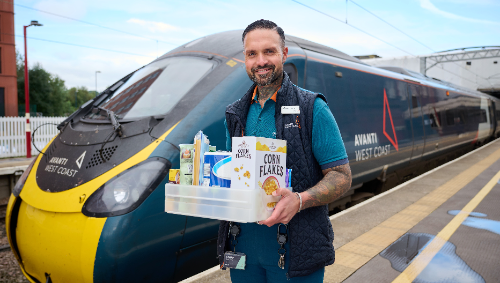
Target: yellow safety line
{"type": "Point", "coordinates": [353, 255]}
{"type": "Point", "coordinates": [424, 258]}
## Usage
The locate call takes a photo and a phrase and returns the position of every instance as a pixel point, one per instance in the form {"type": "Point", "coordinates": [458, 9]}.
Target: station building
{"type": "Point", "coordinates": [8, 76]}
{"type": "Point", "coordinates": [476, 68]}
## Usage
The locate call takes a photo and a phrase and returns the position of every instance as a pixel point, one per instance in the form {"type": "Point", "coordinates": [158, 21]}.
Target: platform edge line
{"type": "Point", "coordinates": [407, 183]}
{"type": "Point", "coordinates": [425, 257]}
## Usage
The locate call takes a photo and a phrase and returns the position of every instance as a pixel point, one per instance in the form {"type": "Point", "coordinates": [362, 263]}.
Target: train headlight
{"type": "Point", "coordinates": [20, 183]}
{"type": "Point", "coordinates": [126, 191]}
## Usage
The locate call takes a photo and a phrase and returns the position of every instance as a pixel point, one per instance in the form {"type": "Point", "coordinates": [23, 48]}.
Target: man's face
{"type": "Point", "coordinates": [263, 56]}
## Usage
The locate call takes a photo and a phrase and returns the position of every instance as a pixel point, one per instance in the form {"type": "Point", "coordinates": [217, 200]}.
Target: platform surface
{"type": "Point", "coordinates": [443, 226]}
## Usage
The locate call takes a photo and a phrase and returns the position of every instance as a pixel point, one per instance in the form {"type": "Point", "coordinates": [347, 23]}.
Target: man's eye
{"type": "Point", "coordinates": [270, 52]}
{"type": "Point", "coordinates": [251, 54]}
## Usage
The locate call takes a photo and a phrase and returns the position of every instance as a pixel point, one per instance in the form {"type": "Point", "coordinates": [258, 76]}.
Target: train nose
{"type": "Point", "coordinates": [60, 245]}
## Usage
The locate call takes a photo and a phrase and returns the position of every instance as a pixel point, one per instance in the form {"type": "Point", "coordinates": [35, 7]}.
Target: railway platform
{"type": "Point", "coordinates": [443, 226]}
{"type": "Point", "coordinates": [10, 171]}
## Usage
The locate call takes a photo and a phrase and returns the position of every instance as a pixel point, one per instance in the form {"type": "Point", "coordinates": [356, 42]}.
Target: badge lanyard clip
{"type": "Point", "coordinates": [282, 239]}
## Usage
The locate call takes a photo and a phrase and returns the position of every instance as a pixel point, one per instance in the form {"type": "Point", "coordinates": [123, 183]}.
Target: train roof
{"type": "Point", "coordinates": [228, 45]}
{"type": "Point", "coordinates": [433, 81]}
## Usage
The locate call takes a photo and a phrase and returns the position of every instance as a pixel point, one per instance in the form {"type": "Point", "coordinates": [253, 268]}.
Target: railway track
{"type": "Point", "coordinates": [3, 207]}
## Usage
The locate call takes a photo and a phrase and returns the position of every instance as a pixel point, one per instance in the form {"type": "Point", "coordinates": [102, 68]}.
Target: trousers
{"type": "Point", "coordinates": [260, 245]}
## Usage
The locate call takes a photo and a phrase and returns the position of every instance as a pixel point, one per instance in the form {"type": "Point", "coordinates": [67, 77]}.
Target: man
{"type": "Point", "coordinates": [315, 153]}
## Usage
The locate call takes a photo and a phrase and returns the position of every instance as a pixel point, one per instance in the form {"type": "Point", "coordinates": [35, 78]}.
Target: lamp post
{"type": "Point", "coordinates": [96, 81]}
{"type": "Point", "coordinates": [26, 91]}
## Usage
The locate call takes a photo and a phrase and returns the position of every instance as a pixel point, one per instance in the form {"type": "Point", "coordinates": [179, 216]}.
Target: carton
{"type": "Point", "coordinates": [259, 164]}
{"type": "Point", "coordinates": [186, 164]}
{"type": "Point", "coordinates": [217, 169]}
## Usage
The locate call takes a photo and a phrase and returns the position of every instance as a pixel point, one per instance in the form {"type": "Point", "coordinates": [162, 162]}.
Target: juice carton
{"type": "Point", "coordinates": [260, 164]}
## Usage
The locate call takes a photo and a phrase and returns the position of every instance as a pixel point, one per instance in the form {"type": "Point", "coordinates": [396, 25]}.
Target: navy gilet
{"type": "Point", "coordinates": [310, 231]}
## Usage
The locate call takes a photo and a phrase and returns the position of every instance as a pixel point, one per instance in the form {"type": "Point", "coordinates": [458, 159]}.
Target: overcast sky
{"type": "Point", "coordinates": [439, 24]}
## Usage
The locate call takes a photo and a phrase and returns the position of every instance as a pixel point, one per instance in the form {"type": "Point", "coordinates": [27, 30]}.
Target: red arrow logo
{"type": "Point", "coordinates": [395, 140]}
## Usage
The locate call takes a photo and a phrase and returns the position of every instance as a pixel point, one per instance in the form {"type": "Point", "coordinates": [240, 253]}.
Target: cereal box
{"type": "Point", "coordinates": [259, 163]}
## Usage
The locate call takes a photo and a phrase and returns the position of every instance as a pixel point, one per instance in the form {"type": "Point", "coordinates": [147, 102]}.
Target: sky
{"type": "Point", "coordinates": [161, 26]}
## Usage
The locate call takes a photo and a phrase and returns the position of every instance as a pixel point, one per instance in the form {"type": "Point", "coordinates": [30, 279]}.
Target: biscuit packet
{"type": "Point", "coordinates": [259, 164]}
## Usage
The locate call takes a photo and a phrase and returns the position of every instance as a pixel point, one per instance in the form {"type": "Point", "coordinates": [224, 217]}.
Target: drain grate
{"type": "Point", "coordinates": [96, 159]}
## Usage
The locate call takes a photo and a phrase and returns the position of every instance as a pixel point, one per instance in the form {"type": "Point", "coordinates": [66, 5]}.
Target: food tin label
{"type": "Point", "coordinates": [217, 169]}
{"type": "Point", "coordinates": [174, 176]}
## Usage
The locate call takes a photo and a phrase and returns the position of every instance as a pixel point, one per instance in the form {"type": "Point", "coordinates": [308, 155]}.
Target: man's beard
{"type": "Point", "coordinates": [261, 80]}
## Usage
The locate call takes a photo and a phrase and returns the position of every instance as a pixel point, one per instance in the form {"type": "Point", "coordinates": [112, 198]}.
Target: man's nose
{"type": "Point", "coordinates": [261, 60]}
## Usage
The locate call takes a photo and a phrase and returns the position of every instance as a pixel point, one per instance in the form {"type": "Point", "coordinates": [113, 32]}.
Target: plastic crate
{"type": "Point", "coordinates": [238, 205]}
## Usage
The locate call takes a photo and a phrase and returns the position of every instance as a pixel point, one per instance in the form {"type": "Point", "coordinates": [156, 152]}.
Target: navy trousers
{"type": "Point", "coordinates": [260, 245]}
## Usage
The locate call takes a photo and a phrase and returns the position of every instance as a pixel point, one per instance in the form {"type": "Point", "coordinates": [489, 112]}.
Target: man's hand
{"type": "Point", "coordinates": [285, 209]}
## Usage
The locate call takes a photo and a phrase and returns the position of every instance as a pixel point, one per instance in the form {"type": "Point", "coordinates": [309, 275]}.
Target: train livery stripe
{"type": "Point", "coordinates": [69, 201]}
{"type": "Point", "coordinates": [358, 252]}
{"type": "Point", "coordinates": [425, 257]}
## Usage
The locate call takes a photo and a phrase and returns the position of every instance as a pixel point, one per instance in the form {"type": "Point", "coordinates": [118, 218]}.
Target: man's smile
{"type": "Point", "coordinates": [263, 71]}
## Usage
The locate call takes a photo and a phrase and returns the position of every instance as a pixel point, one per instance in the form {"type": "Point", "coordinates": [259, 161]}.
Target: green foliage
{"type": "Point", "coordinates": [48, 92]}
{"type": "Point", "coordinates": [82, 95]}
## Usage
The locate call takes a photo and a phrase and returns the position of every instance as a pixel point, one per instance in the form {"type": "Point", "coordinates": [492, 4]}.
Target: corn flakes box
{"type": "Point", "coordinates": [260, 164]}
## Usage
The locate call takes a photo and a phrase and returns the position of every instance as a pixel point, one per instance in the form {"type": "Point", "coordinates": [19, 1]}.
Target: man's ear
{"type": "Point", "coordinates": [285, 54]}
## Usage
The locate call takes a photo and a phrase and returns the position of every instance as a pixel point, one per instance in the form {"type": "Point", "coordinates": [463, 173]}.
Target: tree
{"type": "Point", "coordinates": [47, 92]}
{"type": "Point", "coordinates": [82, 95]}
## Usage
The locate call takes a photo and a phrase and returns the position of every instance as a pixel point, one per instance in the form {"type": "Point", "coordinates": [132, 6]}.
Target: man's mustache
{"type": "Point", "coordinates": [263, 67]}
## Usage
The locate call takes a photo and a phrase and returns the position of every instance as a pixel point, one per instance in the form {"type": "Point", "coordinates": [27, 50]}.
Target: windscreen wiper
{"type": "Point", "coordinates": [112, 117]}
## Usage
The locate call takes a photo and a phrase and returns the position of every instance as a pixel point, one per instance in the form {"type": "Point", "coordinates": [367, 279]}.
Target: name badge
{"type": "Point", "coordinates": [290, 110]}
{"type": "Point", "coordinates": [234, 260]}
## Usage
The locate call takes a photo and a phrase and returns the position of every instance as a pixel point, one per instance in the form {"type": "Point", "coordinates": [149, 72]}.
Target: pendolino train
{"type": "Point", "coordinates": [91, 207]}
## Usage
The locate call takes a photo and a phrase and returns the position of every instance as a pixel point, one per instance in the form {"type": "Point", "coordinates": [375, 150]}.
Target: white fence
{"type": "Point", "coordinates": [13, 135]}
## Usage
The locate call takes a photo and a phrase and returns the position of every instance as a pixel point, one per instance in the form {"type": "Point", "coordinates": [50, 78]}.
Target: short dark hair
{"type": "Point", "coordinates": [265, 24]}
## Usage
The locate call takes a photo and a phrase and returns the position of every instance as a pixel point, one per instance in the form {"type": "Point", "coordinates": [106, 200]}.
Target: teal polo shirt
{"type": "Point", "coordinates": [328, 147]}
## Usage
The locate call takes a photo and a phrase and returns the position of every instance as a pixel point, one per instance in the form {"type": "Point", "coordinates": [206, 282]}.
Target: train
{"type": "Point", "coordinates": [91, 206]}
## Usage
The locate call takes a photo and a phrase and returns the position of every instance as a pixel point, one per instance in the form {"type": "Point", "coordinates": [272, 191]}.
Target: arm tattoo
{"type": "Point", "coordinates": [336, 181]}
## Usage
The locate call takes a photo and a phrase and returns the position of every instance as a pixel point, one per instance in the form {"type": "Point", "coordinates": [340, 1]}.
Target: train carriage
{"type": "Point", "coordinates": [91, 207]}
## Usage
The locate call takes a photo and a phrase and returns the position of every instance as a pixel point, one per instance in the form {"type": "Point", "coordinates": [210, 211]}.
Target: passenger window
{"type": "Point", "coordinates": [450, 117]}
{"type": "Point", "coordinates": [461, 116]}
{"type": "Point", "coordinates": [291, 71]}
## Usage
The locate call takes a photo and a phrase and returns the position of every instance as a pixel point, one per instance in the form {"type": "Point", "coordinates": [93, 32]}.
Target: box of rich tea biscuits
{"type": "Point", "coordinates": [260, 164]}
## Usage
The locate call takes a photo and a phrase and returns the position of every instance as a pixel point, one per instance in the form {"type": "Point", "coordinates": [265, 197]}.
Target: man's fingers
{"type": "Point", "coordinates": [273, 219]}
{"type": "Point", "coordinates": [281, 192]}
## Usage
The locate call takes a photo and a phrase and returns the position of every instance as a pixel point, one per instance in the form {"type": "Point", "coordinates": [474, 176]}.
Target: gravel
{"type": "Point", "coordinates": [9, 268]}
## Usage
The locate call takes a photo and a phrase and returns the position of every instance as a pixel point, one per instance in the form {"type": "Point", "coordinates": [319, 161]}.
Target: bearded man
{"type": "Point", "coordinates": [315, 153]}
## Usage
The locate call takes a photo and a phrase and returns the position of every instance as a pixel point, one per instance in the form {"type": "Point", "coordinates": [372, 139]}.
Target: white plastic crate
{"type": "Point", "coordinates": [238, 205]}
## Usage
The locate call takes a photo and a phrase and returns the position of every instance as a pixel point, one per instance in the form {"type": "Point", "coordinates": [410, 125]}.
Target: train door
{"type": "Point", "coordinates": [433, 121]}
{"type": "Point", "coordinates": [417, 122]}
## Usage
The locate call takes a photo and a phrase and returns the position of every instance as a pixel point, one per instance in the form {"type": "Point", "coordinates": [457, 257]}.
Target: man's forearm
{"type": "Point", "coordinates": [335, 183]}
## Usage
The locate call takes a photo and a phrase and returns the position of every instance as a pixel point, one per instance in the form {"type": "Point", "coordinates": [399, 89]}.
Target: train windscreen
{"type": "Point", "coordinates": [155, 89]}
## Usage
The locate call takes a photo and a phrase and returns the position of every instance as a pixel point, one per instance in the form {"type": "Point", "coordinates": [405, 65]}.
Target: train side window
{"type": "Point", "coordinates": [450, 117]}
{"type": "Point", "coordinates": [291, 71]}
{"type": "Point", "coordinates": [498, 115]}
{"type": "Point", "coordinates": [461, 117]}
